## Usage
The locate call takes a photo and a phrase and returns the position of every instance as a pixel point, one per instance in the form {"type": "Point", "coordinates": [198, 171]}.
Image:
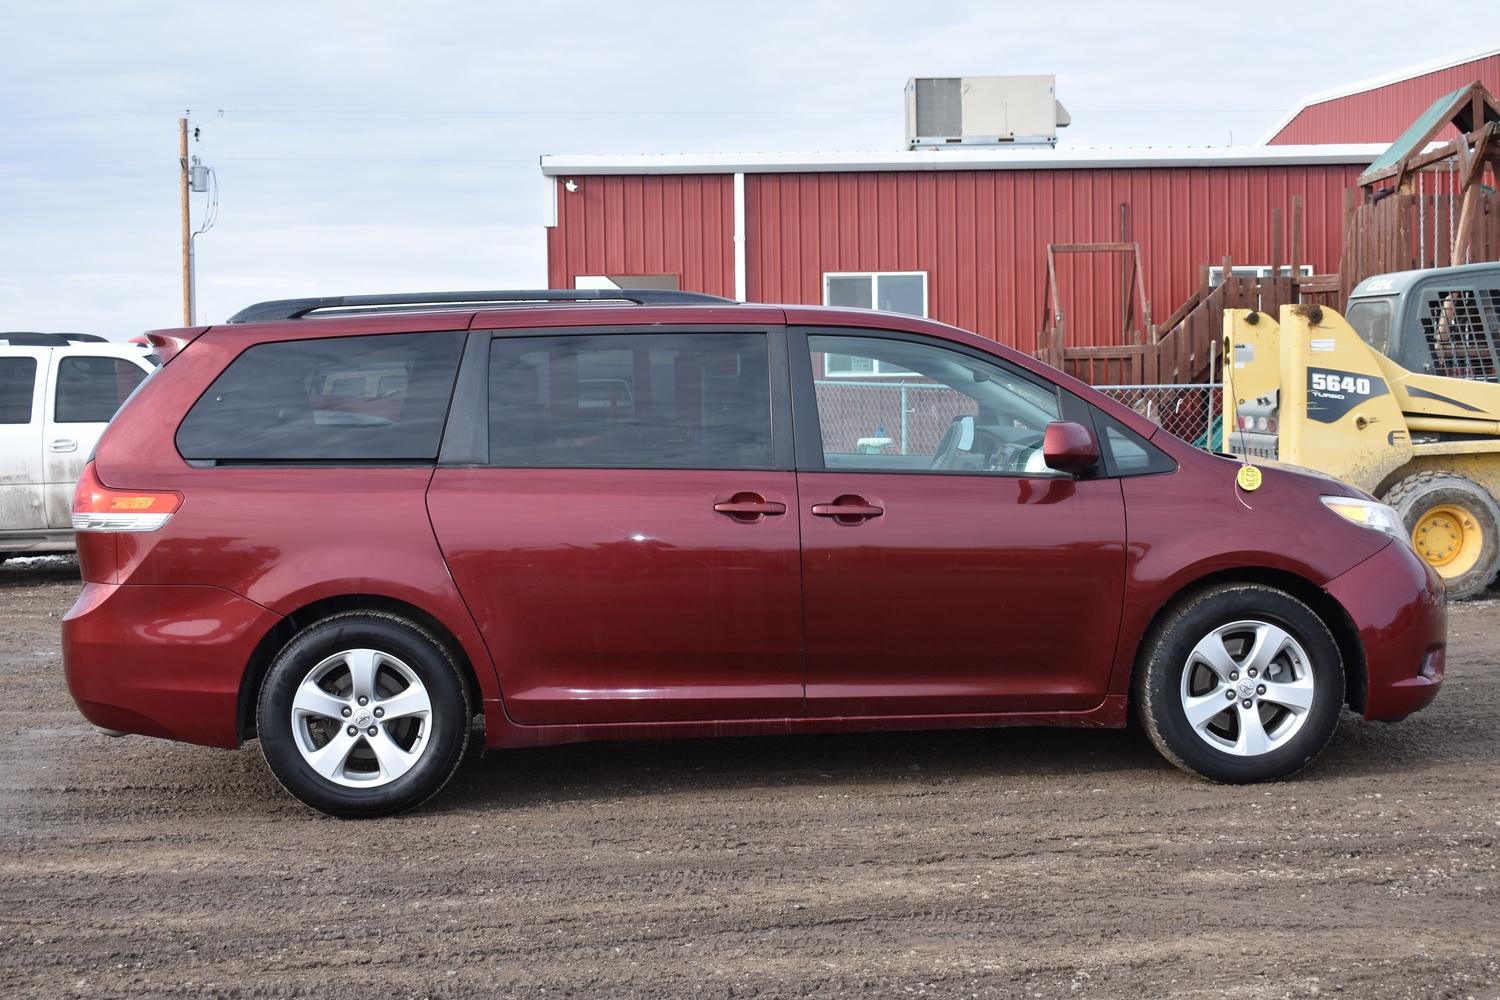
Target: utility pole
{"type": "Point", "coordinates": [187, 239]}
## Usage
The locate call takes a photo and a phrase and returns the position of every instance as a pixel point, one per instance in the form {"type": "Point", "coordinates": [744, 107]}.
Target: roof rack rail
{"type": "Point", "coordinates": [31, 338]}
{"type": "Point", "coordinates": [286, 309]}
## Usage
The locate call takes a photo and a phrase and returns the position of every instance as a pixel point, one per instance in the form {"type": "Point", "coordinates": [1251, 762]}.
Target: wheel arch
{"type": "Point", "coordinates": [1332, 614]}
{"type": "Point", "coordinates": [284, 630]}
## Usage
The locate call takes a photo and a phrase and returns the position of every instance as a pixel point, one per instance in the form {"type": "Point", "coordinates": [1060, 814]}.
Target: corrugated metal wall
{"type": "Point", "coordinates": [671, 224]}
{"type": "Point", "coordinates": [980, 235]}
{"type": "Point", "coordinates": [1382, 114]}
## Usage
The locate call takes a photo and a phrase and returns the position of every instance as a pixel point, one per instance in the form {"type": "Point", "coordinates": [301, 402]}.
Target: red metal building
{"type": "Point", "coordinates": [1378, 109]}
{"type": "Point", "coordinates": [961, 233]}
{"type": "Point", "coordinates": [971, 226]}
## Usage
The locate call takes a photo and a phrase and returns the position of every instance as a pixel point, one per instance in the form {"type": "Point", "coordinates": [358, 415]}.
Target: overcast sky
{"type": "Point", "coordinates": [385, 147]}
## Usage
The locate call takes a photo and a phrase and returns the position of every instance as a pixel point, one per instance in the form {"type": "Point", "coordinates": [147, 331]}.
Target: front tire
{"type": "Point", "coordinates": [1240, 683]}
{"type": "Point", "coordinates": [363, 714]}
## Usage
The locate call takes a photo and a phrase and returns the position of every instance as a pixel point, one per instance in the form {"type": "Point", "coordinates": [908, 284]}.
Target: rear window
{"type": "Point", "coordinates": [366, 399]}
{"type": "Point", "coordinates": [17, 385]}
{"type": "Point", "coordinates": [90, 390]}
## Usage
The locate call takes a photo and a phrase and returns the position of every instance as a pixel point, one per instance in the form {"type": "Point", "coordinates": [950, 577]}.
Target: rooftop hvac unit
{"type": "Point", "coordinates": [982, 110]}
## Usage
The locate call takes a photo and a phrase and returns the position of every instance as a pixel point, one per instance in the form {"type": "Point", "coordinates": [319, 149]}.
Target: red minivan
{"type": "Point", "coordinates": [365, 529]}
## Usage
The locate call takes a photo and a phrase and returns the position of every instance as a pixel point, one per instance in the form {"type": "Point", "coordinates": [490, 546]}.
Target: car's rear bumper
{"type": "Point", "coordinates": [161, 661]}
{"type": "Point", "coordinates": [1399, 608]}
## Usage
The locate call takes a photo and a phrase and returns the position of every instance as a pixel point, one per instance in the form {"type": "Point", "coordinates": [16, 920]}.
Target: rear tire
{"type": "Point", "coordinates": [1240, 683]}
{"type": "Point", "coordinates": [363, 714]}
{"type": "Point", "coordinates": [1455, 528]}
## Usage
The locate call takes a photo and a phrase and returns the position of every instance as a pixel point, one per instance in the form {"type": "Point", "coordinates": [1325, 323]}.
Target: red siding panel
{"type": "Point", "coordinates": [1382, 114]}
{"type": "Point", "coordinates": [682, 225]}
{"type": "Point", "coordinates": [980, 235]}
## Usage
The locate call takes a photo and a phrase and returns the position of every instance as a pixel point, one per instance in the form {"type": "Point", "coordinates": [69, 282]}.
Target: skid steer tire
{"type": "Point", "coordinates": [1455, 526]}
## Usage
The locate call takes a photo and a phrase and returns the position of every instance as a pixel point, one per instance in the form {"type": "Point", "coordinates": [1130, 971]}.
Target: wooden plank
{"type": "Point", "coordinates": [1276, 241]}
{"type": "Point", "coordinates": [1471, 172]}
{"type": "Point", "coordinates": [1349, 262]}
{"type": "Point", "coordinates": [1091, 247]}
{"type": "Point", "coordinates": [1296, 235]}
{"type": "Point", "coordinates": [1442, 231]}
{"type": "Point", "coordinates": [1318, 284]}
{"type": "Point", "coordinates": [1140, 285]}
{"type": "Point", "coordinates": [1126, 266]}
{"type": "Point", "coordinates": [1465, 226]}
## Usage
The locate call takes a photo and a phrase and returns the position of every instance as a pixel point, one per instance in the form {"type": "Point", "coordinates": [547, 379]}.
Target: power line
{"type": "Point", "coordinates": [604, 112]}
{"type": "Point", "coordinates": [81, 114]}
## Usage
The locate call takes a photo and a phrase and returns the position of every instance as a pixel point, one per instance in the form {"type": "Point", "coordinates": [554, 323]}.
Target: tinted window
{"type": "Point", "coordinates": [376, 398]}
{"type": "Point", "coordinates": [17, 385]}
{"type": "Point", "coordinates": [1126, 453]}
{"type": "Point", "coordinates": [946, 412]}
{"type": "Point", "coordinates": [672, 401]}
{"type": "Point", "coordinates": [90, 390]}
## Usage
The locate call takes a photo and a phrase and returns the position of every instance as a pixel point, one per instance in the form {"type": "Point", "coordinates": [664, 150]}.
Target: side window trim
{"type": "Point", "coordinates": [466, 442]}
{"type": "Point", "coordinates": [808, 429]}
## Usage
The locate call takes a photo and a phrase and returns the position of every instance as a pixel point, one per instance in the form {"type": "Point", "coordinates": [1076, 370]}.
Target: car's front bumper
{"type": "Point", "coordinates": [1398, 606]}
{"type": "Point", "coordinates": [161, 661]}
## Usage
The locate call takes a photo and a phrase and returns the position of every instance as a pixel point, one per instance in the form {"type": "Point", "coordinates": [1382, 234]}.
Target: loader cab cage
{"type": "Point", "coordinates": [1444, 321]}
{"type": "Point", "coordinates": [1459, 328]}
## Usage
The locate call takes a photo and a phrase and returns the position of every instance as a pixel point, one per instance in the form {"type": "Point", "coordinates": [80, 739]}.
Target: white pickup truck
{"type": "Point", "coordinates": [57, 393]}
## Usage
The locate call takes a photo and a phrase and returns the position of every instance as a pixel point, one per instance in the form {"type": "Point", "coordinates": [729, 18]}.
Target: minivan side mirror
{"type": "Point", "coordinates": [1069, 447]}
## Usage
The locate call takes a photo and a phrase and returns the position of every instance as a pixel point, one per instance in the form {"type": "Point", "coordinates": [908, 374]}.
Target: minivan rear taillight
{"type": "Point", "coordinates": [96, 507]}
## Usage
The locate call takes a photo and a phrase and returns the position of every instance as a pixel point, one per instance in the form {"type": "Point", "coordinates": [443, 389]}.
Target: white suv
{"type": "Point", "coordinates": [57, 393]}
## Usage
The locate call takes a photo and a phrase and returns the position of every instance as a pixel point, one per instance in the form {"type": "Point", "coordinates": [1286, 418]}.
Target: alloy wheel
{"type": "Point", "coordinates": [1247, 688]}
{"type": "Point", "coordinates": [361, 718]}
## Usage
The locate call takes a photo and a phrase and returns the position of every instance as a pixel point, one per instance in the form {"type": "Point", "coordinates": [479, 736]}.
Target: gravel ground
{"type": "Point", "coordinates": [1024, 863]}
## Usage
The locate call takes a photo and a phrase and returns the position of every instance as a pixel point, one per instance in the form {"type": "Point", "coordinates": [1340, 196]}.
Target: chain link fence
{"type": "Point", "coordinates": [1189, 411]}
{"type": "Point", "coordinates": [893, 417]}
{"type": "Point", "coordinates": [900, 417]}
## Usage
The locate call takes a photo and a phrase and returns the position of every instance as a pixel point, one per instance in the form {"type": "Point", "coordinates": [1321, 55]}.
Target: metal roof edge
{"type": "Point", "coordinates": [1383, 80]}
{"type": "Point", "coordinates": [957, 159]}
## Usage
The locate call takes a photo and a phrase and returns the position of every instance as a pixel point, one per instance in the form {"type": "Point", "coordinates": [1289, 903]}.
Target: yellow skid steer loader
{"type": "Point", "coordinates": [1402, 400]}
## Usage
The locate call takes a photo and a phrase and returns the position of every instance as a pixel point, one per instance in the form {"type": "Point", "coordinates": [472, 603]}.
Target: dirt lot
{"type": "Point", "coordinates": [1021, 862]}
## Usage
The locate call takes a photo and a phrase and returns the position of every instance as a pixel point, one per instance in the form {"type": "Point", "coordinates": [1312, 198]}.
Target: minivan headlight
{"type": "Point", "coordinates": [1369, 514]}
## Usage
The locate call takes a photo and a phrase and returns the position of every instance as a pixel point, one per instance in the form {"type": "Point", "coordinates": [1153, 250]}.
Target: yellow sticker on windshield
{"type": "Point", "coordinates": [1249, 478]}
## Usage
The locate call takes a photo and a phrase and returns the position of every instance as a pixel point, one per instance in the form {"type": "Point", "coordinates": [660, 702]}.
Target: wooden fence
{"type": "Point", "coordinates": [1403, 232]}
{"type": "Point", "coordinates": [1179, 350]}
{"type": "Point", "coordinates": [1399, 231]}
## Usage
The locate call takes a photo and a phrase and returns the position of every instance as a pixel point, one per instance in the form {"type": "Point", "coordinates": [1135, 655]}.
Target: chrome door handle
{"type": "Point", "coordinates": [63, 445]}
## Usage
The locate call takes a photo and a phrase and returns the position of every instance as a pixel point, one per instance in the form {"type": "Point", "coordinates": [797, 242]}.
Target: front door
{"type": "Point", "coordinates": [946, 569]}
{"type": "Point", "coordinates": [629, 543]}
{"type": "Point", "coordinates": [23, 379]}
{"type": "Point", "coordinates": [87, 389]}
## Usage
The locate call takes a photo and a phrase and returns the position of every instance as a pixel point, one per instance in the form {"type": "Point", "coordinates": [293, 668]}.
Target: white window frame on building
{"type": "Point", "coordinates": [831, 367]}
{"type": "Point", "coordinates": [1216, 272]}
